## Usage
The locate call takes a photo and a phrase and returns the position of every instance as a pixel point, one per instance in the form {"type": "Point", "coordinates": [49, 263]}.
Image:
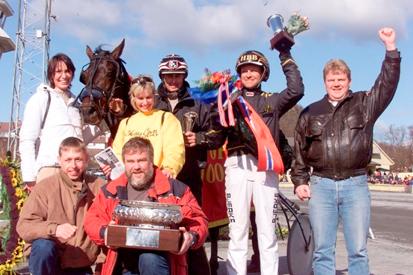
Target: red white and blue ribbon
{"type": "Point", "coordinates": [224, 88]}
{"type": "Point", "coordinates": [269, 158]}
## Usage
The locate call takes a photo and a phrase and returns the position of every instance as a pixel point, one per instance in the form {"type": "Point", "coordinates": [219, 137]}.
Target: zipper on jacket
{"type": "Point", "coordinates": [333, 136]}
{"type": "Point", "coordinates": [80, 197]}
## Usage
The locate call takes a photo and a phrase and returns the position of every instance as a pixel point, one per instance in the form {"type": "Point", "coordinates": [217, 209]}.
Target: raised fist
{"type": "Point", "coordinates": [388, 36]}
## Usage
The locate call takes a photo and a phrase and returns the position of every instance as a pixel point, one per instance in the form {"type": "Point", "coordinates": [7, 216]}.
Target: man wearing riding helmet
{"type": "Point", "coordinates": [243, 182]}
{"type": "Point", "coordinates": [173, 96]}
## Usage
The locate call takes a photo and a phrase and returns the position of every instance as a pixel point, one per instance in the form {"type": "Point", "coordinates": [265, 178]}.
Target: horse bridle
{"type": "Point", "coordinates": [96, 110]}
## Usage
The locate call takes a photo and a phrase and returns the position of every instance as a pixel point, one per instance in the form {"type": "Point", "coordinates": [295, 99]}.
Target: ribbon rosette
{"type": "Point", "coordinates": [217, 87]}
{"type": "Point", "coordinates": [225, 89]}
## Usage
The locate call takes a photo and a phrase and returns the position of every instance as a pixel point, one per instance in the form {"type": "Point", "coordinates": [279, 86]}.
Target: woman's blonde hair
{"type": "Point", "coordinates": [139, 84]}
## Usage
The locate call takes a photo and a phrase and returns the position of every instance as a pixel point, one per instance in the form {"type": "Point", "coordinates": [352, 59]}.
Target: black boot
{"type": "Point", "coordinates": [254, 265]}
{"type": "Point", "coordinates": [198, 262]}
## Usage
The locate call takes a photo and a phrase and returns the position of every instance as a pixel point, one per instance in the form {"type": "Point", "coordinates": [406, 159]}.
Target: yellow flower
{"type": "Point", "coordinates": [19, 192]}
{"type": "Point", "coordinates": [7, 266]}
{"type": "Point", "coordinates": [20, 203]}
{"type": "Point", "coordinates": [14, 182]}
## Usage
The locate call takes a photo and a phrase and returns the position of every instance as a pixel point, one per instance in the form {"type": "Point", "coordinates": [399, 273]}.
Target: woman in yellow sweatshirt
{"type": "Point", "coordinates": [161, 128]}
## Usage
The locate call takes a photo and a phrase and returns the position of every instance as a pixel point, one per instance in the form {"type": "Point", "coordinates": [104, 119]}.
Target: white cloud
{"type": "Point", "coordinates": [356, 19]}
{"type": "Point", "coordinates": [202, 24]}
{"type": "Point", "coordinates": [87, 20]}
{"type": "Point", "coordinates": [180, 22]}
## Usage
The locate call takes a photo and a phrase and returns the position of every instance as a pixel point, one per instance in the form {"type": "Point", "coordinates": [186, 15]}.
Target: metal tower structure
{"type": "Point", "coordinates": [32, 54]}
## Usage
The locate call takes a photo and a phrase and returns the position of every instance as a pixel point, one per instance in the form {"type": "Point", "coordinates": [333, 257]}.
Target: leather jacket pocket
{"type": "Point", "coordinates": [313, 143]}
{"type": "Point", "coordinates": [355, 120]}
{"type": "Point", "coordinates": [315, 128]}
{"type": "Point", "coordinates": [358, 137]}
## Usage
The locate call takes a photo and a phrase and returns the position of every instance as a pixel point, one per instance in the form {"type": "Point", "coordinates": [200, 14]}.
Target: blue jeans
{"type": "Point", "coordinates": [346, 200]}
{"type": "Point", "coordinates": [142, 262]}
{"type": "Point", "coordinates": [44, 260]}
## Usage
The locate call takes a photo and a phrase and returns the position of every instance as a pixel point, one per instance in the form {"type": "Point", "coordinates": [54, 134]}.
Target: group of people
{"type": "Point", "coordinates": [389, 178]}
{"type": "Point", "coordinates": [65, 218]}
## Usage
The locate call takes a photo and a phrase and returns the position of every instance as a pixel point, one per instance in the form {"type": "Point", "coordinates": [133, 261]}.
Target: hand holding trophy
{"type": "Point", "coordinates": [189, 121]}
{"type": "Point", "coordinates": [284, 36]}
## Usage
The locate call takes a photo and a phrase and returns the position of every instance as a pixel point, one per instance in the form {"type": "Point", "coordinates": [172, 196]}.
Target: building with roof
{"type": "Point", "coordinates": [6, 44]}
{"type": "Point", "coordinates": [380, 160]}
{"type": "Point", "coordinates": [4, 134]}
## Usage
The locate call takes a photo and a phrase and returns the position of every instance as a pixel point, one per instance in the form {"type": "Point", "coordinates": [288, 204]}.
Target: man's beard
{"type": "Point", "coordinates": [144, 183]}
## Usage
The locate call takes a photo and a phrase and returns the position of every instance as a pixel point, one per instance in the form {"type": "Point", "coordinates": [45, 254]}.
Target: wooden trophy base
{"type": "Point", "coordinates": [282, 41]}
{"type": "Point", "coordinates": [144, 238]}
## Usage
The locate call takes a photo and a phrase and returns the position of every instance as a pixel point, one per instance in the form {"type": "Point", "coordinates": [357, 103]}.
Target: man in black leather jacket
{"type": "Point", "coordinates": [173, 96]}
{"type": "Point", "coordinates": [333, 139]}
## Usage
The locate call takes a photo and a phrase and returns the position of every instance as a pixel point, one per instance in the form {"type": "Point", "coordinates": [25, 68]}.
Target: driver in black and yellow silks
{"type": "Point", "coordinates": [246, 181]}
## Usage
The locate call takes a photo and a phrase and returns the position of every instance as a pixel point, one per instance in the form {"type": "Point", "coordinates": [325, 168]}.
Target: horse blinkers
{"type": "Point", "coordinates": [93, 101]}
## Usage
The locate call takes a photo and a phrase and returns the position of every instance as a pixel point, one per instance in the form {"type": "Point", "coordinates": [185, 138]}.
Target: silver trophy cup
{"type": "Point", "coordinates": [282, 40]}
{"type": "Point", "coordinates": [275, 22]}
{"type": "Point", "coordinates": [189, 121]}
{"type": "Point", "coordinates": [145, 225]}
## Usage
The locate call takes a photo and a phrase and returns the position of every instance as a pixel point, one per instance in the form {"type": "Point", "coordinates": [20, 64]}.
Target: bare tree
{"type": "Point", "coordinates": [395, 135]}
{"type": "Point", "coordinates": [399, 146]}
{"type": "Point", "coordinates": [410, 145]}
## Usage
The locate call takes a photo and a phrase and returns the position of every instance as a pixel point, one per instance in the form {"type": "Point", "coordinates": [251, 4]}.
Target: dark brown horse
{"type": "Point", "coordinates": [105, 95]}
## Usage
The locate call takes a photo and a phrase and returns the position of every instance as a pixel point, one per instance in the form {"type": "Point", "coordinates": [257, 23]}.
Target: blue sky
{"type": "Point", "coordinates": [212, 34]}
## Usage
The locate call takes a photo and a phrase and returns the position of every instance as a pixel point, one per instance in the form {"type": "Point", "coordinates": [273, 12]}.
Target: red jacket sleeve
{"type": "Point", "coordinates": [98, 217]}
{"type": "Point", "coordinates": [194, 218]}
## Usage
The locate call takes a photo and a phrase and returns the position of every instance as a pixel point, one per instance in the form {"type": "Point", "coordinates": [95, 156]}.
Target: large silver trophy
{"type": "Point", "coordinates": [284, 36]}
{"type": "Point", "coordinates": [145, 225]}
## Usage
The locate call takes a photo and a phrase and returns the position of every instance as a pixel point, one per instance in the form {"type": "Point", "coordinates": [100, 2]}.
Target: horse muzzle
{"type": "Point", "coordinates": [90, 114]}
{"type": "Point", "coordinates": [89, 102]}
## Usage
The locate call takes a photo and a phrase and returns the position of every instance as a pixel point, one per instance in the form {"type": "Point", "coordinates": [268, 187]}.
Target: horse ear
{"type": "Point", "coordinates": [89, 52]}
{"type": "Point", "coordinates": [117, 52]}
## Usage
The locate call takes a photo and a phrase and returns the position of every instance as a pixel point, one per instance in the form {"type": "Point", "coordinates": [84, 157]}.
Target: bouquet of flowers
{"type": "Point", "coordinates": [297, 23]}
{"type": "Point", "coordinates": [12, 197]}
{"type": "Point", "coordinates": [209, 85]}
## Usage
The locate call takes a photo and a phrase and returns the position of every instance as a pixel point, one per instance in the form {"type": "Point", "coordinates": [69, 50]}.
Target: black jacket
{"type": "Point", "coordinates": [337, 141]}
{"type": "Point", "coordinates": [270, 106]}
{"type": "Point", "coordinates": [205, 128]}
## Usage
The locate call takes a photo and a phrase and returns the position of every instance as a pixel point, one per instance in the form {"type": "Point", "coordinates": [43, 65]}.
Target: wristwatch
{"type": "Point", "coordinates": [195, 237]}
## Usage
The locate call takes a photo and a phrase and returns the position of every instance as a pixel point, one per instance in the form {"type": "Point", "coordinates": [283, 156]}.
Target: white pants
{"type": "Point", "coordinates": [244, 184]}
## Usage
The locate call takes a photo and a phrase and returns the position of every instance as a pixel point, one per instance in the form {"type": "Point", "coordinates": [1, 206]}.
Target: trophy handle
{"type": "Point", "coordinates": [282, 41]}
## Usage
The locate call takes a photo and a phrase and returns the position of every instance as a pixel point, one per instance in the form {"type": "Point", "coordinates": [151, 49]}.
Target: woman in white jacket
{"type": "Point", "coordinates": [50, 116]}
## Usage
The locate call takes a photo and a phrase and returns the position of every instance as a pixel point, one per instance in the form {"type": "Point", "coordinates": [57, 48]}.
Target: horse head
{"type": "Point", "coordinates": [105, 95]}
